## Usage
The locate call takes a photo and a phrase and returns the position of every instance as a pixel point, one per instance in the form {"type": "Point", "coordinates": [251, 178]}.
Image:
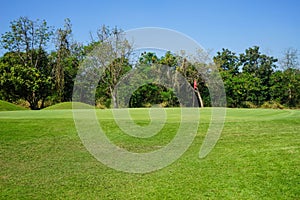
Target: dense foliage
{"type": "Point", "coordinates": [29, 71]}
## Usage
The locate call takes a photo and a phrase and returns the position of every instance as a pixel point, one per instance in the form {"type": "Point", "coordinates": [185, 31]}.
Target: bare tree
{"type": "Point", "coordinates": [290, 64]}
{"type": "Point", "coordinates": [112, 53]}
{"type": "Point", "coordinates": [28, 39]}
{"type": "Point", "coordinates": [188, 70]}
{"type": "Point", "coordinates": [196, 69]}
{"type": "Point", "coordinates": [290, 59]}
{"type": "Point", "coordinates": [62, 42]}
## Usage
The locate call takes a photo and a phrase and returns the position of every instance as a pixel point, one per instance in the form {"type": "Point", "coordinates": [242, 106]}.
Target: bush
{"type": "Point", "coordinates": [164, 104]}
{"type": "Point", "coordinates": [248, 104]}
{"type": "Point", "coordinates": [100, 106]}
{"type": "Point", "coordinates": [272, 105]}
{"type": "Point", "coordinates": [22, 102]}
{"type": "Point", "coordinates": [103, 103]}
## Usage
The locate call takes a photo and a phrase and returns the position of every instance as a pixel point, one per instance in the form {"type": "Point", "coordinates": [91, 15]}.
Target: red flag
{"type": "Point", "coordinates": [195, 84]}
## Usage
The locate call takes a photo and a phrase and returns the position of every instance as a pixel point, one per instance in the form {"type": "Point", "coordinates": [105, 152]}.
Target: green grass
{"type": "Point", "coordinates": [6, 106]}
{"type": "Point", "coordinates": [68, 105]}
{"type": "Point", "coordinates": [257, 157]}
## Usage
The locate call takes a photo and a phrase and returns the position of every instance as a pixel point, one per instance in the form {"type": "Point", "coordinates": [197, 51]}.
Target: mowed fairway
{"type": "Point", "coordinates": [256, 157]}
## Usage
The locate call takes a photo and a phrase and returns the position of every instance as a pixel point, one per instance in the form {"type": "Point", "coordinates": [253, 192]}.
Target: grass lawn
{"type": "Point", "coordinates": [6, 106]}
{"type": "Point", "coordinates": [256, 157]}
{"type": "Point", "coordinates": [68, 105]}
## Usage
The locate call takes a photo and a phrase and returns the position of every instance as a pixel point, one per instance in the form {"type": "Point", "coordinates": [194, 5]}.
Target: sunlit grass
{"type": "Point", "coordinates": [257, 157]}
{"type": "Point", "coordinates": [6, 106]}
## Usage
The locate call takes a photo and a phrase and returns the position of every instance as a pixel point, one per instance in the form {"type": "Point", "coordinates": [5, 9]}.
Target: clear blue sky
{"type": "Point", "coordinates": [274, 25]}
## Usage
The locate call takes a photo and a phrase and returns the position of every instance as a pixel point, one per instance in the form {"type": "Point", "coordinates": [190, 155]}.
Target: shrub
{"type": "Point", "coordinates": [272, 105]}
{"type": "Point", "coordinates": [22, 103]}
{"type": "Point", "coordinates": [248, 104]}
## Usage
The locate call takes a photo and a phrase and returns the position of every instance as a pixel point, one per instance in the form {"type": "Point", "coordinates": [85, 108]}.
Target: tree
{"type": "Point", "coordinates": [165, 84]}
{"type": "Point", "coordinates": [148, 58]}
{"type": "Point", "coordinates": [112, 74]}
{"type": "Point", "coordinates": [27, 75]}
{"type": "Point", "coordinates": [65, 62]}
{"type": "Point", "coordinates": [290, 65]}
{"type": "Point", "coordinates": [152, 68]}
{"type": "Point", "coordinates": [291, 81]}
{"type": "Point", "coordinates": [169, 60]}
{"type": "Point", "coordinates": [228, 65]}
{"type": "Point", "coordinates": [62, 52]}
{"type": "Point", "coordinates": [19, 82]}
{"type": "Point", "coordinates": [259, 66]}
{"type": "Point", "coordinates": [227, 61]}
{"type": "Point", "coordinates": [290, 59]}
{"type": "Point", "coordinates": [28, 39]}
{"type": "Point", "coordinates": [112, 52]}
{"type": "Point", "coordinates": [189, 71]}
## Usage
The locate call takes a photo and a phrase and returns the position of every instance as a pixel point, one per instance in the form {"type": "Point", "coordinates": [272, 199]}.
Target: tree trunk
{"type": "Point", "coordinates": [200, 98]}
{"type": "Point", "coordinates": [290, 96]}
{"type": "Point", "coordinates": [33, 105]}
{"type": "Point", "coordinates": [33, 102]}
{"type": "Point", "coordinates": [43, 103]}
{"type": "Point", "coordinates": [114, 97]}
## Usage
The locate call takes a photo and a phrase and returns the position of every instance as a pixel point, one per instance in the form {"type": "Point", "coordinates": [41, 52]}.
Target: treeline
{"type": "Point", "coordinates": [31, 72]}
{"type": "Point", "coordinates": [253, 79]}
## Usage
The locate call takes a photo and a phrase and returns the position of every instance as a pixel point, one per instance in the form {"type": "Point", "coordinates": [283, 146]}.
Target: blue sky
{"type": "Point", "coordinates": [234, 24]}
